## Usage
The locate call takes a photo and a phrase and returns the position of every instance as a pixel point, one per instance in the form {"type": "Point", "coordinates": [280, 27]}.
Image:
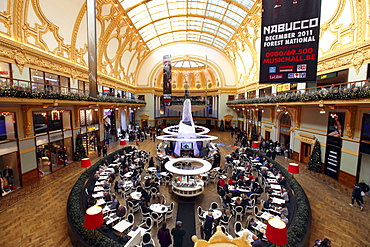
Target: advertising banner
{"type": "Point", "coordinates": [289, 40]}
{"type": "Point", "coordinates": [167, 78]}
{"type": "Point", "coordinates": [334, 143]}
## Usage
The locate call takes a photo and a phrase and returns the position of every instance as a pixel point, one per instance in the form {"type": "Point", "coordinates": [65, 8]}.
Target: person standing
{"type": "Point", "coordinates": [99, 149]}
{"type": "Point", "coordinates": [208, 225]}
{"type": "Point", "coordinates": [8, 175]}
{"type": "Point", "coordinates": [105, 151]}
{"type": "Point", "coordinates": [356, 195]}
{"type": "Point", "coordinates": [164, 236]}
{"type": "Point", "coordinates": [178, 234]}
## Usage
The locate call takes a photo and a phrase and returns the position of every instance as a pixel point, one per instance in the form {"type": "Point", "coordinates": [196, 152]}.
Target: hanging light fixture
{"type": "Point", "coordinates": [322, 111]}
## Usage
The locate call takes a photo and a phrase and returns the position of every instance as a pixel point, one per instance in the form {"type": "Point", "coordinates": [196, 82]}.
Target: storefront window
{"type": "Point", "coordinates": [9, 170]}
{"type": "Point", "coordinates": [55, 122]}
{"type": "Point", "coordinates": [66, 120]}
{"type": "Point", "coordinates": [37, 79]}
{"type": "Point", "coordinates": [40, 122]}
{"type": "Point", "coordinates": [4, 74]}
{"type": "Point", "coordinates": [7, 128]}
{"type": "Point", "coordinates": [51, 83]}
{"type": "Point", "coordinates": [64, 85]}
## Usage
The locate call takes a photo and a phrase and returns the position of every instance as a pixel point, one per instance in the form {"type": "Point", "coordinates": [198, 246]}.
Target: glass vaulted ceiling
{"type": "Point", "coordinates": [160, 22]}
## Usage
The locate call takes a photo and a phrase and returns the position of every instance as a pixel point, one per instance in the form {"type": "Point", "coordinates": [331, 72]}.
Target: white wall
{"type": "Point", "coordinates": [222, 64]}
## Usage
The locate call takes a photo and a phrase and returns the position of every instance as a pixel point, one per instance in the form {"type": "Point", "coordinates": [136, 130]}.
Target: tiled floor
{"type": "Point", "coordinates": [36, 215]}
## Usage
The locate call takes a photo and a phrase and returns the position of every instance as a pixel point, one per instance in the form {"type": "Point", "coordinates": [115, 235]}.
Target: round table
{"type": "Point", "coordinates": [152, 169]}
{"type": "Point", "coordinates": [216, 213]}
{"type": "Point", "coordinates": [136, 195]}
{"type": "Point", "coordinates": [158, 208]}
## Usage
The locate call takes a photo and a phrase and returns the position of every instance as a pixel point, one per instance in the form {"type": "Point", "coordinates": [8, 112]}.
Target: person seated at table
{"type": "Point", "coordinates": [96, 176]}
{"type": "Point", "coordinates": [284, 194]}
{"type": "Point", "coordinates": [238, 202]}
{"type": "Point", "coordinates": [121, 211]}
{"type": "Point", "coordinates": [258, 190]}
{"type": "Point", "coordinates": [222, 183]}
{"type": "Point", "coordinates": [160, 199]}
{"type": "Point", "coordinates": [257, 158]}
{"type": "Point", "coordinates": [268, 204]}
{"type": "Point", "coordinates": [151, 162]}
{"type": "Point", "coordinates": [232, 181]}
{"type": "Point", "coordinates": [106, 196]}
{"type": "Point", "coordinates": [153, 184]}
{"type": "Point", "coordinates": [252, 184]}
{"type": "Point", "coordinates": [282, 182]}
{"type": "Point", "coordinates": [112, 177]}
{"type": "Point", "coordinates": [91, 202]}
{"type": "Point", "coordinates": [245, 201]}
{"type": "Point", "coordinates": [236, 193]}
{"type": "Point", "coordinates": [147, 182]}
{"type": "Point", "coordinates": [240, 183]}
{"type": "Point", "coordinates": [144, 207]}
{"type": "Point", "coordinates": [261, 241]}
{"type": "Point", "coordinates": [251, 224]}
{"type": "Point", "coordinates": [240, 175]}
{"type": "Point", "coordinates": [104, 226]}
{"type": "Point", "coordinates": [115, 203]}
{"type": "Point", "coordinates": [225, 215]}
{"type": "Point", "coordinates": [284, 218]}
{"type": "Point", "coordinates": [283, 210]}
{"type": "Point", "coordinates": [106, 185]}
{"type": "Point", "coordinates": [250, 176]}
{"type": "Point", "coordinates": [135, 182]}
{"type": "Point", "coordinates": [101, 169]}
{"type": "Point", "coordinates": [227, 200]}
{"type": "Point", "coordinates": [274, 171]}
{"type": "Point", "coordinates": [123, 239]}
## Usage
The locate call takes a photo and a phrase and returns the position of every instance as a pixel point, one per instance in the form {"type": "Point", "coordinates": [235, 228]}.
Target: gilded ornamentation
{"type": "Point", "coordinates": [358, 60]}
{"type": "Point", "coordinates": [27, 119]}
{"type": "Point", "coordinates": [219, 238]}
{"type": "Point", "coordinates": [20, 59]}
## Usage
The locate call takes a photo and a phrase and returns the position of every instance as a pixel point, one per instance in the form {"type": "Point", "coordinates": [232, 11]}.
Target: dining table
{"type": "Point", "coordinates": [215, 213]}
{"type": "Point", "coordinates": [158, 208]}
{"type": "Point", "coordinates": [122, 226]}
{"type": "Point", "coordinates": [136, 195]}
{"type": "Point", "coordinates": [250, 234]}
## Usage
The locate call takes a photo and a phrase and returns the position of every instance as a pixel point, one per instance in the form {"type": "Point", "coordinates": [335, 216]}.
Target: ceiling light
{"type": "Point", "coordinates": [322, 111]}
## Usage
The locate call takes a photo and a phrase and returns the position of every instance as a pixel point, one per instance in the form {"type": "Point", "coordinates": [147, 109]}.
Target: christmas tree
{"type": "Point", "coordinates": [314, 164]}
{"type": "Point", "coordinates": [80, 152]}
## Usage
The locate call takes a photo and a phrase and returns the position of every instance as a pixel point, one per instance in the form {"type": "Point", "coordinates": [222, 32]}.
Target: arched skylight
{"type": "Point", "coordinates": [160, 22]}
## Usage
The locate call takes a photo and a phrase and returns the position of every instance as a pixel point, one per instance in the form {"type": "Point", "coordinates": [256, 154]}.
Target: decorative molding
{"type": "Point", "coordinates": [27, 150]}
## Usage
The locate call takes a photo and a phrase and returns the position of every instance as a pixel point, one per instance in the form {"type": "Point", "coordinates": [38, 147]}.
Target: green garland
{"type": "Point", "coordinates": [5, 92]}
{"type": "Point", "coordinates": [334, 94]}
{"type": "Point", "coordinates": [76, 214]}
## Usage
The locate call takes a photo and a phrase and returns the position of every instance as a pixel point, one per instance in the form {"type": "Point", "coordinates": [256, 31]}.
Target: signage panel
{"type": "Point", "coordinates": [289, 40]}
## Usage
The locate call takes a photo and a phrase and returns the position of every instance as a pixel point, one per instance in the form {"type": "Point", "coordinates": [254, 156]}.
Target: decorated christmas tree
{"type": "Point", "coordinates": [80, 152]}
{"type": "Point", "coordinates": [314, 164]}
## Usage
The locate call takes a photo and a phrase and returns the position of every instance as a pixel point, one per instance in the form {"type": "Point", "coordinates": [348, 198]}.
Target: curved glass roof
{"type": "Point", "coordinates": [213, 22]}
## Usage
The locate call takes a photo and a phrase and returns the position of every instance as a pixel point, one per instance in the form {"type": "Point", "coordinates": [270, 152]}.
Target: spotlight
{"type": "Point", "coordinates": [322, 111]}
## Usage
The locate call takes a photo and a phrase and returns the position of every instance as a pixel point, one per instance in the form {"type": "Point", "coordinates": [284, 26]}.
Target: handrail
{"type": "Point", "coordinates": [346, 87]}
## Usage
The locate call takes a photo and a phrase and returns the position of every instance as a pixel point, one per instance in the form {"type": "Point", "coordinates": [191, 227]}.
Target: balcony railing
{"type": "Point", "coordinates": [341, 91]}
{"type": "Point", "coordinates": [27, 89]}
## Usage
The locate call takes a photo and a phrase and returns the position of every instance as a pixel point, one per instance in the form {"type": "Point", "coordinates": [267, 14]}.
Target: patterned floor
{"type": "Point", "coordinates": [36, 214]}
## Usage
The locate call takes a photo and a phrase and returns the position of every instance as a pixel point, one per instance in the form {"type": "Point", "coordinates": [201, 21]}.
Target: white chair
{"type": "Point", "coordinates": [169, 214]}
{"type": "Point", "coordinates": [146, 239]}
{"type": "Point", "coordinates": [200, 214]}
{"type": "Point", "coordinates": [147, 224]}
{"type": "Point", "coordinates": [214, 205]}
{"type": "Point", "coordinates": [238, 227]}
{"type": "Point", "coordinates": [239, 212]}
{"type": "Point", "coordinates": [157, 218]}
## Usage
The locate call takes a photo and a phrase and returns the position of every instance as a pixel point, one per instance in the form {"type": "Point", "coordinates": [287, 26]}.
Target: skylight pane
{"type": "Point", "coordinates": [129, 3]}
